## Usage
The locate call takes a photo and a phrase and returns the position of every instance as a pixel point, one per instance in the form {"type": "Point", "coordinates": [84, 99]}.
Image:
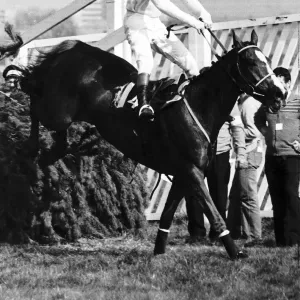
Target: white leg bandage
{"type": "Point", "coordinates": [164, 230]}
{"type": "Point", "coordinates": [225, 232]}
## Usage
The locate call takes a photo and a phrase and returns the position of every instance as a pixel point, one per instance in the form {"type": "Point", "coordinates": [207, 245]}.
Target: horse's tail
{"type": "Point", "coordinates": [32, 80]}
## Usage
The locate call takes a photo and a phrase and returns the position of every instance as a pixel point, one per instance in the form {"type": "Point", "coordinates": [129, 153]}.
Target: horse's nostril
{"type": "Point", "coordinates": [281, 95]}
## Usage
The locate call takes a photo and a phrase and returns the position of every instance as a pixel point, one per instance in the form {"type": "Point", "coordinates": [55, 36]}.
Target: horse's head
{"type": "Point", "coordinates": [254, 75]}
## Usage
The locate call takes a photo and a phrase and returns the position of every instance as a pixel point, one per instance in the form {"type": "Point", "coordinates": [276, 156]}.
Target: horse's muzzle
{"type": "Point", "coordinates": [278, 100]}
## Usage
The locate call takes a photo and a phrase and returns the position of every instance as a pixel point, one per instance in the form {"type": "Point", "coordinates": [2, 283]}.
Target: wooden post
{"type": "Point", "coordinates": [22, 57]}
{"type": "Point", "coordinates": [55, 19]}
{"type": "Point", "coordinates": [200, 48]}
{"type": "Point", "coordinates": [115, 11]}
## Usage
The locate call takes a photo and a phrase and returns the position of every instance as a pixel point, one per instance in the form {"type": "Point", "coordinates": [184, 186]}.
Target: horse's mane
{"type": "Point", "coordinates": [205, 71]}
{"type": "Point", "coordinates": [40, 62]}
{"type": "Point", "coordinates": [44, 57]}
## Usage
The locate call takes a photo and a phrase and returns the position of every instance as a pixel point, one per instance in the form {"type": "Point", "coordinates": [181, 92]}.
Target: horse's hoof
{"type": "Point", "coordinates": [241, 255]}
{"type": "Point", "coordinates": [146, 113]}
{"type": "Point", "coordinates": [230, 247]}
{"type": "Point", "coordinates": [161, 242]}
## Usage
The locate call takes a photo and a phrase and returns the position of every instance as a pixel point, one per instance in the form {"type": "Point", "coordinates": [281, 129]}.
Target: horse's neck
{"type": "Point", "coordinates": [213, 97]}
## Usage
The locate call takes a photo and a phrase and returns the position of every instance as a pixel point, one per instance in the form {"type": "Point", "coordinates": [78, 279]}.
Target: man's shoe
{"type": "Point", "coordinates": [146, 113]}
{"type": "Point", "coordinates": [240, 255]}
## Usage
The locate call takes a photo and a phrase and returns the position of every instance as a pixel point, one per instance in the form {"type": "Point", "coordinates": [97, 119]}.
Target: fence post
{"type": "Point", "coordinates": [200, 48]}
{"type": "Point", "coordinates": [115, 11]}
{"type": "Point", "coordinates": [21, 59]}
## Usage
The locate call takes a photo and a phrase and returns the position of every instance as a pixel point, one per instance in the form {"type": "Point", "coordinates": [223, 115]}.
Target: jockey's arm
{"type": "Point", "coordinates": [171, 10]}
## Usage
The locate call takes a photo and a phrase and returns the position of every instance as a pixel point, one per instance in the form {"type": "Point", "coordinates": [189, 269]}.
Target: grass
{"type": "Point", "coordinates": [125, 268]}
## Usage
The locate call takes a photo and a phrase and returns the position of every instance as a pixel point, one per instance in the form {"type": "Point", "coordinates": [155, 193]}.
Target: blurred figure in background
{"type": "Point", "coordinates": [11, 91]}
{"type": "Point", "coordinates": [11, 75]}
{"type": "Point", "coordinates": [11, 87]}
{"type": "Point", "coordinates": [243, 220]}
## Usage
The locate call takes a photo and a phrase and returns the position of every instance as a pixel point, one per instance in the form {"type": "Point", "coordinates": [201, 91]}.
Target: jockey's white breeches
{"type": "Point", "coordinates": [145, 34]}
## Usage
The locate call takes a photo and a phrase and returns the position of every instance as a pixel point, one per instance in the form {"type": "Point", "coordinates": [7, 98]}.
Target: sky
{"type": "Point", "coordinates": [11, 4]}
{"type": "Point", "coordinates": [219, 9]}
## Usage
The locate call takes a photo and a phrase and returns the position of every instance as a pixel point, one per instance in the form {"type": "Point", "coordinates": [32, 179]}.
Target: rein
{"type": "Point", "coordinates": [181, 90]}
{"type": "Point", "coordinates": [250, 87]}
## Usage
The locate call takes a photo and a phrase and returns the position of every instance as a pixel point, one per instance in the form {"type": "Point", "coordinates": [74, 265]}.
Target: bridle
{"type": "Point", "coordinates": [250, 87]}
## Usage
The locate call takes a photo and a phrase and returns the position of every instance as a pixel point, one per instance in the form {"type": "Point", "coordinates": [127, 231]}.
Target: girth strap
{"type": "Point", "coordinates": [195, 118]}
{"type": "Point", "coordinates": [124, 94]}
{"type": "Point", "coordinates": [180, 96]}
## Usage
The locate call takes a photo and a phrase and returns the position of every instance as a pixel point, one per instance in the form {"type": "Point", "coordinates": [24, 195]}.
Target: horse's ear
{"type": "Point", "coordinates": [182, 78]}
{"type": "Point", "coordinates": [237, 43]}
{"type": "Point", "coordinates": [254, 38]}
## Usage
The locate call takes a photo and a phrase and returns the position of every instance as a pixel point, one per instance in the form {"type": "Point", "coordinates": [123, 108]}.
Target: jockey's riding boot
{"type": "Point", "coordinates": [160, 242]}
{"type": "Point", "coordinates": [145, 110]}
{"type": "Point", "coordinates": [232, 250]}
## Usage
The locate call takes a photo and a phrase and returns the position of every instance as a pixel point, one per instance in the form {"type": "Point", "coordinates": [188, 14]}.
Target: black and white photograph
{"type": "Point", "coordinates": [149, 149]}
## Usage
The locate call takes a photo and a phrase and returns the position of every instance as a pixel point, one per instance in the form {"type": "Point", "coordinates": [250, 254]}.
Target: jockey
{"type": "Point", "coordinates": [145, 32]}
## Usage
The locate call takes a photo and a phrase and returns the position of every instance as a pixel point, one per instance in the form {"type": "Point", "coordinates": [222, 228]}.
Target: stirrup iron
{"type": "Point", "coordinates": [144, 107]}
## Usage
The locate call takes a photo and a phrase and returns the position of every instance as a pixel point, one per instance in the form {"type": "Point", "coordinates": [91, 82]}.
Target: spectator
{"type": "Point", "coordinates": [282, 163]}
{"type": "Point", "coordinates": [243, 220]}
{"type": "Point", "coordinates": [11, 88]}
{"type": "Point", "coordinates": [12, 93]}
{"type": "Point", "coordinates": [218, 175]}
{"type": "Point", "coordinates": [11, 75]}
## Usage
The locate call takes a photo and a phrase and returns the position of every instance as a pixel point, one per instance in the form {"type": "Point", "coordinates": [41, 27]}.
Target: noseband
{"type": "Point", "coordinates": [250, 87]}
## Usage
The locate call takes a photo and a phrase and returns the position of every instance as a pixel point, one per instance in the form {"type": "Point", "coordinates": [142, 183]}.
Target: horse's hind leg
{"type": "Point", "coordinates": [175, 195]}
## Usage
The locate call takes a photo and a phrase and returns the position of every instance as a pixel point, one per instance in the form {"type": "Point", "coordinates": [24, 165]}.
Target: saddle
{"type": "Point", "coordinates": [160, 93]}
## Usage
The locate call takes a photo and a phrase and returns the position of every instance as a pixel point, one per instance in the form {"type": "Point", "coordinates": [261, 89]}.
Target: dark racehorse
{"type": "Point", "coordinates": [78, 82]}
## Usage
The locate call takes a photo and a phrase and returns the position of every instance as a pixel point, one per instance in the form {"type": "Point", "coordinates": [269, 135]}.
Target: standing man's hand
{"type": "Point", "coordinates": [241, 163]}
{"type": "Point", "coordinates": [296, 145]}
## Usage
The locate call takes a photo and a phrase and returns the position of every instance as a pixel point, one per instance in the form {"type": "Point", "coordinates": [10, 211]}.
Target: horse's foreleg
{"type": "Point", "coordinates": [61, 142]}
{"type": "Point", "coordinates": [175, 195]}
{"type": "Point", "coordinates": [198, 191]}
